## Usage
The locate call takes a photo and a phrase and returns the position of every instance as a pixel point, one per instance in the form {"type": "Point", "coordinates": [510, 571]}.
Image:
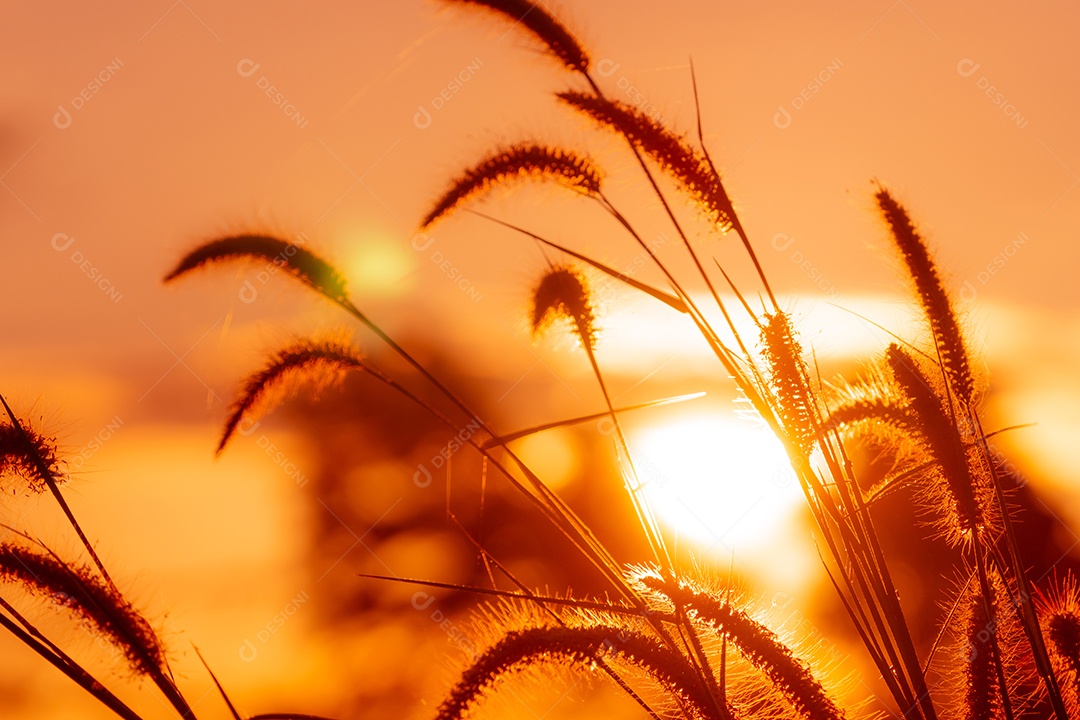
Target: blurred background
{"type": "Point", "coordinates": [130, 133]}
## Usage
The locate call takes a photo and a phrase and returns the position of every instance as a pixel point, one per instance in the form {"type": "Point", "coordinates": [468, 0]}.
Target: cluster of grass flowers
{"type": "Point", "coordinates": [679, 647]}
{"type": "Point", "coordinates": [678, 643]}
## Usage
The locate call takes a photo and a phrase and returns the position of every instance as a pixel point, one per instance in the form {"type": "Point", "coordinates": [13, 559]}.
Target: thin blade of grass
{"type": "Point", "coordinates": [666, 298]}
{"type": "Point", "coordinates": [504, 439]}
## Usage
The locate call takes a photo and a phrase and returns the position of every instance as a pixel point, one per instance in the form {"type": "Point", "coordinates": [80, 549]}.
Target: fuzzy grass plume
{"type": "Point", "coordinates": [535, 18]}
{"type": "Point", "coordinates": [78, 590]}
{"type": "Point", "coordinates": [27, 454]}
{"type": "Point", "coordinates": [583, 647]}
{"type": "Point", "coordinates": [670, 151]}
{"type": "Point", "coordinates": [272, 253]}
{"type": "Point", "coordinates": [931, 422]}
{"type": "Point", "coordinates": [760, 645]}
{"type": "Point", "coordinates": [787, 374]}
{"type": "Point", "coordinates": [562, 293]}
{"type": "Point", "coordinates": [1059, 613]}
{"type": "Point", "coordinates": [932, 296]}
{"type": "Point", "coordinates": [518, 162]}
{"type": "Point", "coordinates": [318, 362]}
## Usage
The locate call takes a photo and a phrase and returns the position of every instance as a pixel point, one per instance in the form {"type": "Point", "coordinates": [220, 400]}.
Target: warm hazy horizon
{"type": "Point", "coordinates": [131, 132]}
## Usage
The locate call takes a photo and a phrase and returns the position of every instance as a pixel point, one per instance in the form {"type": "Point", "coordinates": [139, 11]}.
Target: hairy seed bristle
{"type": "Point", "coordinates": [579, 646]}
{"type": "Point", "coordinates": [932, 296]}
{"type": "Point", "coordinates": [981, 693]}
{"type": "Point", "coordinates": [318, 362]}
{"type": "Point", "coordinates": [760, 645]}
{"type": "Point", "coordinates": [518, 162]}
{"type": "Point", "coordinates": [670, 151]}
{"type": "Point", "coordinates": [871, 410]}
{"type": "Point", "coordinates": [28, 455]}
{"type": "Point", "coordinates": [78, 590]}
{"type": "Point", "coordinates": [1059, 616]}
{"type": "Point", "coordinates": [535, 17]}
{"type": "Point", "coordinates": [562, 293]}
{"type": "Point", "coordinates": [940, 435]}
{"type": "Point", "coordinates": [787, 375]}
{"type": "Point", "coordinates": [273, 253]}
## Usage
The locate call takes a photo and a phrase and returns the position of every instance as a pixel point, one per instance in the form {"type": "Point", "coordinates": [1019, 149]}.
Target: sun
{"type": "Point", "coordinates": [720, 482]}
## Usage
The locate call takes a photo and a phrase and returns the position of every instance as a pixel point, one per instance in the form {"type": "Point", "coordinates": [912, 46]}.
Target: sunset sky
{"type": "Point", "coordinates": [131, 132]}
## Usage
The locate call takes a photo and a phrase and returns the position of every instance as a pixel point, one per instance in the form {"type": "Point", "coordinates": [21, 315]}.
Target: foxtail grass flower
{"type": "Point", "coordinates": [527, 161]}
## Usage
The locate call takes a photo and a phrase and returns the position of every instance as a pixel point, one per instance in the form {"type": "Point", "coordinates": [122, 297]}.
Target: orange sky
{"type": "Point", "coordinates": [131, 132]}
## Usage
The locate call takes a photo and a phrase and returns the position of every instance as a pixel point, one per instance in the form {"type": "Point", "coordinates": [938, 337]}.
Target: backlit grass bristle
{"type": "Point", "coordinates": [1059, 616]}
{"type": "Point", "coordinates": [932, 296]}
{"type": "Point", "coordinates": [536, 18]}
{"type": "Point", "coordinates": [270, 251]}
{"type": "Point", "coordinates": [526, 161]}
{"type": "Point", "coordinates": [79, 591]}
{"type": "Point", "coordinates": [670, 151]}
{"type": "Point", "coordinates": [968, 666]}
{"type": "Point", "coordinates": [939, 433]}
{"type": "Point", "coordinates": [562, 293]}
{"type": "Point", "coordinates": [28, 455]}
{"type": "Point", "coordinates": [982, 697]}
{"type": "Point", "coordinates": [582, 647]}
{"type": "Point", "coordinates": [318, 362]}
{"type": "Point", "coordinates": [886, 414]}
{"type": "Point", "coordinates": [758, 644]}
{"type": "Point", "coordinates": [787, 375]}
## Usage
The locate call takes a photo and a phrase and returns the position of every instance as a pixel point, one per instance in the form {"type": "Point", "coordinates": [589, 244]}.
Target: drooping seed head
{"type": "Point", "coordinates": [317, 362]}
{"type": "Point", "coordinates": [562, 293]}
{"type": "Point", "coordinates": [581, 647]}
{"type": "Point", "coordinates": [535, 17]}
{"type": "Point", "coordinates": [671, 152]}
{"type": "Point", "coordinates": [760, 645]}
{"type": "Point", "coordinates": [526, 161]}
{"type": "Point", "coordinates": [270, 252]}
{"type": "Point", "coordinates": [80, 592]}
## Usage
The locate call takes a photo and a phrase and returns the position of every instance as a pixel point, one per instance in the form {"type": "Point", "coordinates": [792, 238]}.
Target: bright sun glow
{"type": "Point", "coordinates": [720, 482]}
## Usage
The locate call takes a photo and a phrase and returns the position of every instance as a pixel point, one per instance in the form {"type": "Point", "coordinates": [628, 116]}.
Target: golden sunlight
{"type": "Point", "coordinates": [723, 483]}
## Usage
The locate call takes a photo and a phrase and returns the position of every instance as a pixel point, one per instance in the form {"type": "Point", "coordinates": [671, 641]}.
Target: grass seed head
{"type": "Point", "coordinates": [535, 17]}
{"type": "Point", "coordinates": [79, 591]}
{"type": "Point", "coordinates": [932, 296]}
{"type": "Point", "coordinates": [318, 362]}
{"type": "Point", "coordinates": [526, 161]}
{"type": "Point", "coordinates": [562, 293]}
{"type": "Point", "coordinates": [670, 151]}
{"type": "Point", "coordinates": [270, 251]}
{"type": "Point", "coordinates": [29, 456]}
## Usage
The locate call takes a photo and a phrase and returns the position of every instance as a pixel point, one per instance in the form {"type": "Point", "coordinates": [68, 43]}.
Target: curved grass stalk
{"type": "Point", "coordinates": [562, 293]}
